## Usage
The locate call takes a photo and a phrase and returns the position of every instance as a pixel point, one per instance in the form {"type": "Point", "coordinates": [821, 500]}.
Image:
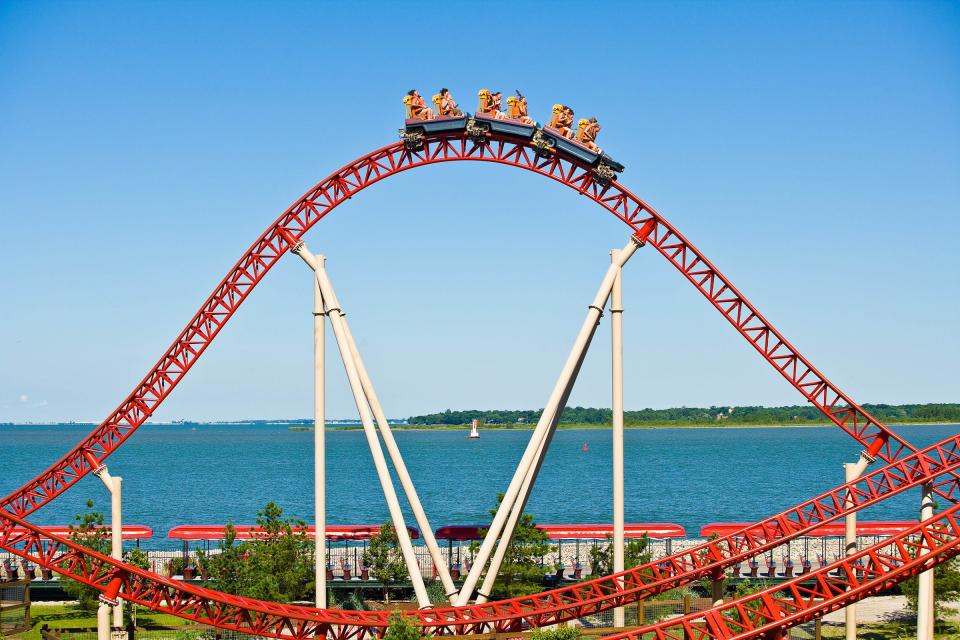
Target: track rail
{"type": "Point", "coordinates": [387, 161]}
{"type": "Point", "coordinates": [281, 621]}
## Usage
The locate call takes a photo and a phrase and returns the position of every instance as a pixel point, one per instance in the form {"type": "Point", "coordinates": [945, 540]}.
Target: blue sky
{"type": "Point", "coordinates": [811, 150]}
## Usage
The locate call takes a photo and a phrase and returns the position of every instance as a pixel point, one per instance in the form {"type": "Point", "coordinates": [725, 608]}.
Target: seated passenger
{"type": "Point", "coordinates": [488, 105]}
{"type": "Point", "coordinates": [561, 119]}
{"type": "Point", "coordinates": [587, 134]}
{"type": "Point", "coordinates": [517, 109]}
{"type": "Point", "coordinates": [416, 108]}
{"type": "Point", "coordinates": [448, 106]}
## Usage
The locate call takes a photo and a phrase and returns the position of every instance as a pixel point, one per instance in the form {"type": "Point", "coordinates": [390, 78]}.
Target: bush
{"type": "Point", "coordinates": [560, 633]}
{"type": "Point", "coordinates": [277, 565]}
{"type": "Point", "coordinates": [401, 627]}
{"type": "Point", "coordinates": [384, 558]}
{"type": "Point", "coordinates": [88, 530]}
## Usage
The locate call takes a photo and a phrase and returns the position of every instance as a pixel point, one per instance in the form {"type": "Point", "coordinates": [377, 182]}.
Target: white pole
{"type": "Point", "coordinates": [850, 546]}
{"type": "Point", "coordinates": [319, 447]}
{"type": "Point", "coordinates": [925, 612]}
{"type": "Point", "coordinates": [616, 334]}
{"type": "Point", "coordinates": [114, 485]}
{"type": "Point", "coordinates": [366, 418]}
{"type": "Point", "coordinates": [116, 537]}
{"type": "Point", "coordinates": [543, 425]}
{"type": "Point", "coordinates": [401, 468]}
{"type": "Point", "coordinates": [103, 621]}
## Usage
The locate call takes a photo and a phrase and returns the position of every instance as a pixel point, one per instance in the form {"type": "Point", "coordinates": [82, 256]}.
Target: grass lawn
{"type": "Point", "coordinates": [69, 616]}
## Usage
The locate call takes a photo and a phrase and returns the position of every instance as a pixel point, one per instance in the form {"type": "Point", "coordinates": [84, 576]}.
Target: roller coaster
{"type": "Point", "coordinates": [767, 614]}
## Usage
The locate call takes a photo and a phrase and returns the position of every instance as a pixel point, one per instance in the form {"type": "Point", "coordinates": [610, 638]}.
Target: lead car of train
{"type": "Point", "coordinates": [545, 139]}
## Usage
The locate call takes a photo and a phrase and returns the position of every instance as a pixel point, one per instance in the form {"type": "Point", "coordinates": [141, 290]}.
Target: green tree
{"type": "Point", "coordinates": [635, 553]}
{"type": "Point", "coordinates": [87, 530]}
{"type": "Point", "coordinates": [946, 589]}
{"type": "Point", "coordinates": [401, 627]}
{"type": "Point", "coordinates": [276, 565]}
{"type": "Point", "coordinates": [521, 572]}
{"type": "Point", "coordinates": [384, 558]}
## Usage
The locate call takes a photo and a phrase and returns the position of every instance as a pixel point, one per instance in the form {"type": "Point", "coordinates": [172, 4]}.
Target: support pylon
{"type": "Point", "coordinates": [616, 339]}
{"type": "Point", "coordinates": [319, 445]}
{"type": "Point", "coordinates": [544, 426]}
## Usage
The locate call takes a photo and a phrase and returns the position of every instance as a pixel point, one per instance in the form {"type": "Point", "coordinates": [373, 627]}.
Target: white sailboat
{"type": "Point", "coordinates": [474, 434]}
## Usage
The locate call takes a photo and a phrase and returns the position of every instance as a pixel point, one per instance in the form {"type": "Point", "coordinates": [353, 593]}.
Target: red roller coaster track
{"type": "Point", "coordinates": [937, 463]}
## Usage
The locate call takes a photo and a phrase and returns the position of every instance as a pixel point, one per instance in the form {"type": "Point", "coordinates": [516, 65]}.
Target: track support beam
{"type": "Point", "coordinates": [545, 427]}
{"type": "Point", "coordinates": [926, 616]}
{"type": "Point", "coordinates": [319, 443]}
{"type": "Point", "coordinates": [616, 359]}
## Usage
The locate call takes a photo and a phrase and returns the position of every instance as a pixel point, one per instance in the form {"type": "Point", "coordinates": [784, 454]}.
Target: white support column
{"type": "Point", "coordinates": [925, 611]}
{"type": "Point", "coordinates": [116, 537]}
{"type": "Point", "coordinates": [103, 621]}
{"type": "Point", "coordinates": [616, 335]}
{"type": "Point", "coordinates": [443, 571]}
{"type": "Point", "coordinates": [366, 418]}
{"type": "Point", "coordinates": [543, 425]}
{"type": "Point", "coordinates": [850, 548]}
{"type": "Point", "coordinates": [114, 485]}
{"type": "Point", "coordinates": [319, 446]}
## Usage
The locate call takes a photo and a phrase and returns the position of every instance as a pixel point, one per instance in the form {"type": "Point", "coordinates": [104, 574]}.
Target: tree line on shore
{"type": "Point", "coordinates": [797, 414]}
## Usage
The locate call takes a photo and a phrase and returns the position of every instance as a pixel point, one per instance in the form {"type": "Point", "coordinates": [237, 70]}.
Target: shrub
{"type": "Point", "coordinates": [401, 627]}
{"type": "Point", "coordinates": [560, 633]}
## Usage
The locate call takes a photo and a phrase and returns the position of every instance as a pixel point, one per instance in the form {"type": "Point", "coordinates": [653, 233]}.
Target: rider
{"type": "Point", "coordinates": [517, 109]}
{"type": "Point", "coordinates": [561, 119]}
{"type": "Point", "coordinates": [416, 107]}
{"type": "Point", "coordinates": [587, 133]}
{"type": "Point", "coordinates": [489, 104]}
{"type": "Point", "coordinates": [448, 106]}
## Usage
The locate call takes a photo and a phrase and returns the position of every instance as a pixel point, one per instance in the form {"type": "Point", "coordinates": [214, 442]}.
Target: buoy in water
{"type": "Point", "coordinates": [584, 447]}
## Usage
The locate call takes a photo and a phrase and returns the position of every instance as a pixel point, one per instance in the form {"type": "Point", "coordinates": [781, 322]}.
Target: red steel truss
{"type": "Point", "coordinates": [937, 464]}
{"type": "Point", "coordinates": [769, 613]}
{"type": "Point", "coordinates": [270, 619]}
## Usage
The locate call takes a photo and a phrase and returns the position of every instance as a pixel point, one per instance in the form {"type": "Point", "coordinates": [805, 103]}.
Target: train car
{"type": "Point", "coordinates": [546, 139]}
{"type": "Point", "coordinates": [415, 129]}
{"type": "Point", "coordinates": [571, 147]}
{"type": "Point", "coordinates": [507, 126]}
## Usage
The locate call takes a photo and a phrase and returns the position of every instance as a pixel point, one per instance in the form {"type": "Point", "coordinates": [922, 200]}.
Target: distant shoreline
{"type": "Point", "coordinates": [596, 427]}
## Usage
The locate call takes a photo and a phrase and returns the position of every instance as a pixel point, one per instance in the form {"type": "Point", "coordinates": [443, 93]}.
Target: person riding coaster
{"type": "Point", "coordinates": [517, 109]}
{"type": "Point", "coordinates": [416, 107]}
{"type": "Point", "coordinates": [489, 104]}
{"type": "Point", "coordinates": [587, 133]}
{"type": "Point", "coordinates": [446, 106]}
{"type": "Point", "coordinates": [561, 119]}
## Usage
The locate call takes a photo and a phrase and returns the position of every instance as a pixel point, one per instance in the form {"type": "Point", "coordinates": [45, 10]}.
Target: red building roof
{"type": "Point", "coordinates": [248, 532]}
{"type": "Point", "coordinates": [875, 528]}
{"type": "Point", "coordinates": [571, 531]}
{"type": "Point", "coordinates": [128, 531]}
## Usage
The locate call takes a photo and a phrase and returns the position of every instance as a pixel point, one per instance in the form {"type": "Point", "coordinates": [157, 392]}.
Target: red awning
{"type": "Point", "coordinates": [603, 531]}
{"type": "Point", "coordinates": [875, 528]}
{"type": "Point", "coordinates": [571, 531]}
{"type": "Point", "coordinates": [248, 532]}
{"type": "Point", "coordinates": [128, 531]}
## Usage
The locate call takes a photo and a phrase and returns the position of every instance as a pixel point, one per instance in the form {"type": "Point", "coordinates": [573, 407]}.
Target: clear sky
{"type": "Point", "coordinates": [811, 150]}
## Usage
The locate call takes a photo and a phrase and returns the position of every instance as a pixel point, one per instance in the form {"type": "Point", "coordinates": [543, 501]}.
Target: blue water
{"type": "Point", "coordinates": [210, 474]}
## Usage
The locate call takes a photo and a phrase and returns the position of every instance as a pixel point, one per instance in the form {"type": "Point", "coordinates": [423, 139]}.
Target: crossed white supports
{"type": "Point", "coordinates": [518, 492]}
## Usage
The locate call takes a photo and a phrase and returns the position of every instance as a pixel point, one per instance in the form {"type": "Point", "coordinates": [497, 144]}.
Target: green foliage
{"type": "Point", "coordinates": [276, 565]}
{"type": "Point", "coordinates": [748, 588]}
{"type": "Point", "coordinates": [401, 627]}
{"type": "Point", "coordinates": [384, 558]}
{"type": "Point", "coordinates": [560, 633]}
{"type": "Point", "coordinates": [797, 414]}
{"type": "Point", "coordinates": [87, 530]}
{"type": "Point", "coordinates": [946, 589]}
{"type": "Point", "coordinates": [521, 572]}
{"type": "Point", "coordinates": [635, 553]}
{"type": "Point", "coordinates": [437, 593]}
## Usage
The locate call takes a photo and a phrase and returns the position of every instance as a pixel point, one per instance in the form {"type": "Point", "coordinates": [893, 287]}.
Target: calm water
{"type": "Point", "coordinates": [210, 474]}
